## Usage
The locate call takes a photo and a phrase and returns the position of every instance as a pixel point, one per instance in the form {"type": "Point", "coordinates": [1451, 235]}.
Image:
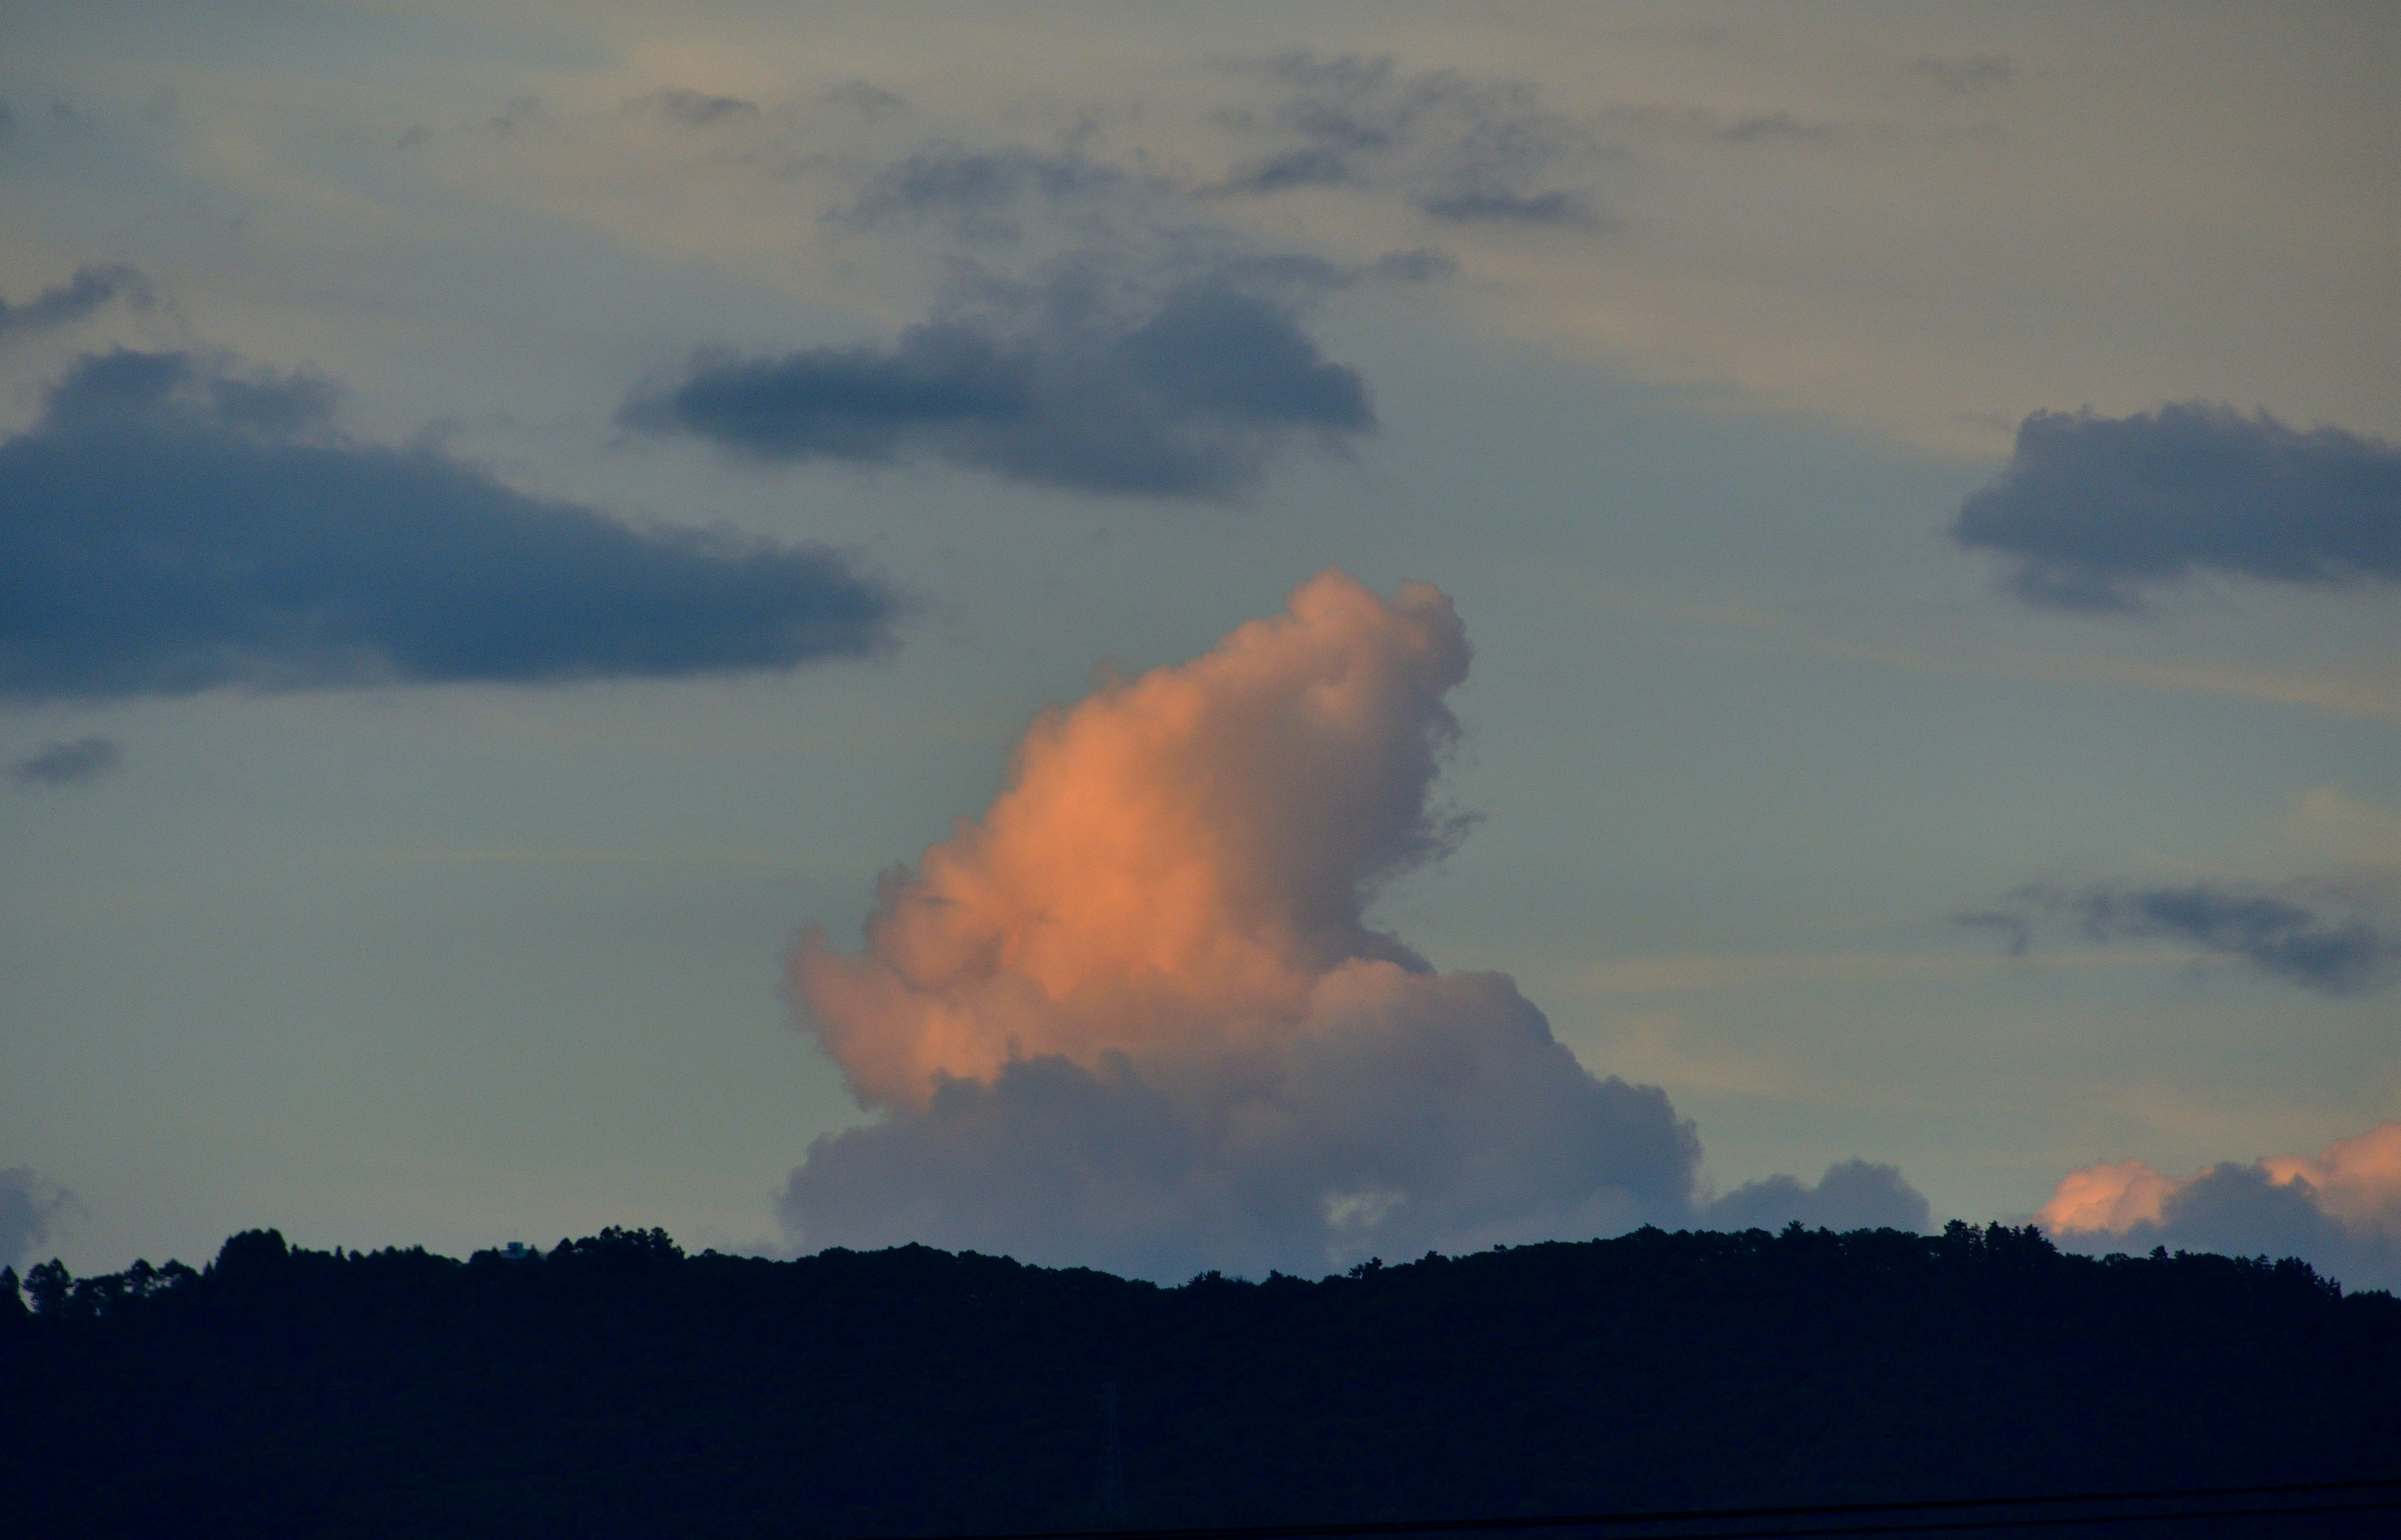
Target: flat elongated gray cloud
{"type": "Point", "coordinates": [32, 1210]}
{"type": "Point", "coordinates": [1851, 1195]}
{"type": "Point", "coordinates": [1134, 1016]}
{"type": "Point", "coordinates": [92, 286]}
{"type": "Point", "coordinates": [1190, 397]}
{"type": "Point", "coordinates": [170, 524]}
{"type": "Point", "coordinates": [692, 109]}
{"type": "Point", "coordinates": [75, 761]}
{"type": "Point", "coordinates": [2091, 510]}
{"type": "Point", "coordinates": [2286, 934]}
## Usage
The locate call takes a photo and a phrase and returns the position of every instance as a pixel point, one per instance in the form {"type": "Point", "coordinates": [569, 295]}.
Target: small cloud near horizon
{"type": "Point", "coordinates": [32, 1210]}
{"type": "Point", "coordinates": [2340, 1210]}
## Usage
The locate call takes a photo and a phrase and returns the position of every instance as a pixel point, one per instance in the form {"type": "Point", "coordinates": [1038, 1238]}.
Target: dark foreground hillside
{"type": "Point", "coordinates": [616, 1387]}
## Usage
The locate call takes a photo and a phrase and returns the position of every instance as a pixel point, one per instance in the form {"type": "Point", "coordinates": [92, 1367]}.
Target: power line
{"type": "Point", "coordinates": [1501, 1523]}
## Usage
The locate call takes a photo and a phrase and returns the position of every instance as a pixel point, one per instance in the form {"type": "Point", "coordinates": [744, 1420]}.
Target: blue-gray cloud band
{"type": "Point", "coordinates": [2279, 934]}
{"type": "Point", "coordinates": [75, 761]}
{"type": "Point", "coordinates": [171, 526]}
{"type": "Point", "coordinates": [1191, 400]}
{"type": "Point", "coordinates": [92, 286]}
{"type": "Point", "coordinates": [2091, 510]}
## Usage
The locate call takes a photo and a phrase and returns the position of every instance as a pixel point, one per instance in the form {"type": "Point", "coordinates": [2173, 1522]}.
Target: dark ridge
{"type": "Point", "coordinates": [615, 1386]}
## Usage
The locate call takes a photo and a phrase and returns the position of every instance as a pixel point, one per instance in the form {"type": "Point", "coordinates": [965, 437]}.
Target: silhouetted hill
{"type": "Point", "coordinates": [616, 1386]}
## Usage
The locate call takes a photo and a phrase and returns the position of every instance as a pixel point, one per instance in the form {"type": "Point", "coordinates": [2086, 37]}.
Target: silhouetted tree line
{"type": "Point", "coordinates": [616, 1386]}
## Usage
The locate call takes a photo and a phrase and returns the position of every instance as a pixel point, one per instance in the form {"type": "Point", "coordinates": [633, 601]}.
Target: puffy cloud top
{"type": "Point", "coordinates": [1178, 859]}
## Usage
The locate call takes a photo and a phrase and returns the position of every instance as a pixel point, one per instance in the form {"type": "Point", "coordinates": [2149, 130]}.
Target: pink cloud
{"type": "Point", "coordinates": [1134, 1016]}
{"type": "Point", "coordinates": [2340, 1209]}
{"type": "Point", "coordinates": [1178, 861]}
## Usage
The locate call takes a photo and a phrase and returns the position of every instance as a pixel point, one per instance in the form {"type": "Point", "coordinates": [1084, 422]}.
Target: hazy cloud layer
{"type": "Point", "coordinates": [2288, 933]}
{"type": "Point", "coordinates": [982, 192]}
{"type": "Point", "coordinates": [75, 761]}
{"type": "Point", "coordinates": [2340, 1210]}
{"type": "Point", "coordinates": [1189, 396]}
{"type": "Point", "coordinates": [1134, 1015]}
{"type": "Point", "coordinates": [1463, 150]}
{"type": "Point", "coordinates": [2091, 509]}
{"type": "Point", "coordinates": [170, 524]}
{"type": "Point", "coordinates": [1852, 1195]}
{"type": "Point", "coordinates": [33, 1211]}
{"type": "Point", "coordinates": [692, 109]}
{"type": "Point", "coordinates": [93, 286]}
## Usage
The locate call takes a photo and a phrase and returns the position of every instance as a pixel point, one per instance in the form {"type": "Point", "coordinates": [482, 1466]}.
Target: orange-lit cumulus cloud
{"type": "Point", "coordinates": [2340, 1209]}
{"type": "Point", "coordinates": [1179, 863]}
{"type": "Point", "coordinates": [1134, 1016]}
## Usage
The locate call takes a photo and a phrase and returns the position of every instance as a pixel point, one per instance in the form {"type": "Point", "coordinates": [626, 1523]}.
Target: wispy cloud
{"type": "Point", "coordinates": [2286, 933]}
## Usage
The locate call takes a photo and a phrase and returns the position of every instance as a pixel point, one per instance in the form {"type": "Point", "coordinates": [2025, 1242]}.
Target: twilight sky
{"type": "Point", "coordinates": [1231, 635]}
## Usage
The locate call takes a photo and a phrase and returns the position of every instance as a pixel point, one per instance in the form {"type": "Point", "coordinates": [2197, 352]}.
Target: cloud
{"type": "Point", "coordinates": [1463, 150]}
{"type": "Point", "coordinates": [692, 109]}
{"type": "Point", "coordinates": [93, 285]}
{"type": "Point", "coordinates": [1758, 127]}
{"type": "Point", "coordinates": [1492, 205]}
{"type": "Point", "coordinates": [1852, 1195]}
{"type": "Point", "coordinates": [1189, 396]}
{"type": "Point", "coordinates": [1974, 73]}
{"type": "Point", "coordinates": [2340, 1210]}
{"type": "Point", "coordinates": [31, 1210]}
{"type": "Point", "coordinates": [172, 523]}
{"type": "Point", "coordinates": [78, 762]}
{"type": "Point", "coordinates": [2091, 509]}
{"type": "Point", "coordinates": [1134, 1014]}
{"type": "Point", "coordinates": [2309, 943]}
{"type": "Point", "coordinates": [979, 189]}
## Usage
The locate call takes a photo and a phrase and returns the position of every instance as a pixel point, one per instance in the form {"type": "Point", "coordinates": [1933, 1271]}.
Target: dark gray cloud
{"type": "Point", "coordinates": [75, 761]}
{"type": "Point", "coordinates": [2241, 1211]}
{"type": "Point", "coordinates": [1189, 397]}
{"type": "Point", "coordinates": [1851, 1195]}
{"type": "Point", "coordinates": [172, 523]}
{"type": "Point", "coordinates": [32, 1211]}
{"type": "Point", "coordinates": [2091, 509]}
{"type": "Point", "coordinates": [2287, 934]}
{"type": "Point", "coordinates": [1495, 205]}
{"type": "Point", "coordinates": [93, 285]}
{"type": "Point", "coordinates": [692, 109]}
{"type": "Point", "coordinates": [1463, 150]}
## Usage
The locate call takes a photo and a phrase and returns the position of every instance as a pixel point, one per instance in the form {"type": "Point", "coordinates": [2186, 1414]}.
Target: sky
{"type": "Point", "coordinates": [1239, 635]}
